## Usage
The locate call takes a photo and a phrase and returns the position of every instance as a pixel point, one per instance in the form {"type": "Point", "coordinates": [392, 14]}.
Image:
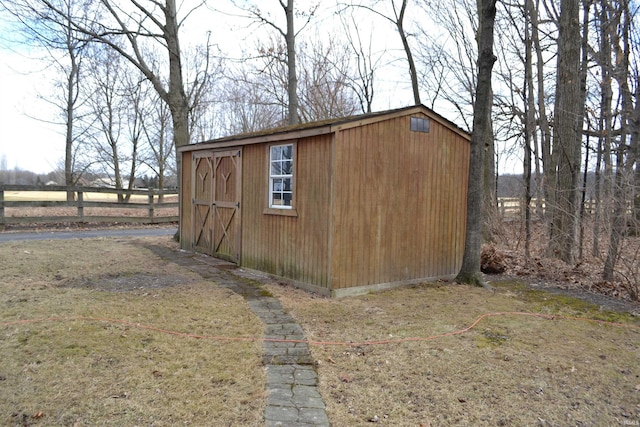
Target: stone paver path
{"type": "Point", "coordinates": [292, 393]}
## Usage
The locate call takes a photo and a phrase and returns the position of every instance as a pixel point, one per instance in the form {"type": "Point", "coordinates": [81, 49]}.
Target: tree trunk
{"type": "Point", "coordinates": [489, 197]}
{"type": "Point", "coordinates": [178, 101]}
{"type": "Point", "coordinates": [529, 126]}
{"type": "Point", "coordinates": [72, 95]}
{"type": "Point", "coordinates": [547, 180]}
{"type": "Point", "coordinates": [567, 135]}
{"type": "Point", "coordinates": [583, 99]}
{"type": "Point", "coordinates": [620, 188]}
{"type": "Point", "coordinates": [470, 271]}
{"type": "Point", "coordinates": [635, 151]}
{"type": "Point", "coordinates": [604, 125]}
{"type": "Point", "coordinates": [407, 50]}
{"type": "Point", "coordinates": [292, 78]}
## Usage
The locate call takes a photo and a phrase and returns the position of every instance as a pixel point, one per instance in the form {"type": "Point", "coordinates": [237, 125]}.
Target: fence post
{"type": "Point", "coordinates": [80, 206]}
{"type": "Point", "coordinates": [151, 207]}
{"type": "Point", "coordinates": [1, 209]}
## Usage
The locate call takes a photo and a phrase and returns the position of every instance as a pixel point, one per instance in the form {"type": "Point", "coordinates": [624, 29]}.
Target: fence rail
{"type": "Point", "coordinates": [89, 204]}
{"type": "Point", "coordinates": [512, 207]}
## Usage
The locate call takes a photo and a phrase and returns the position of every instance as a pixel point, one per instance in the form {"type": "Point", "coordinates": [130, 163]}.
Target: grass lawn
{"type": "Point", "coordinates": [509, 370]}
{"type": "Point", "coordinates": [90, 372]}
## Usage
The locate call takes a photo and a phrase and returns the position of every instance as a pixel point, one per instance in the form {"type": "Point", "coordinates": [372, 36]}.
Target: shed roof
{"type": "Point", "coordinates": [320, 128]}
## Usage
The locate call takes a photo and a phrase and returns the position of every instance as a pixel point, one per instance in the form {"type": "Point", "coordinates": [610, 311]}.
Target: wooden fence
{"type": "Point", "coordinates": [24, 204]}
{"type": "Point", "coordinates": [513, 207]}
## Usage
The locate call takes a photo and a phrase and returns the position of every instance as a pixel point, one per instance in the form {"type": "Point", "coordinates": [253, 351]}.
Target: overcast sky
{"type": "Point", "coordinates": [28, 142]}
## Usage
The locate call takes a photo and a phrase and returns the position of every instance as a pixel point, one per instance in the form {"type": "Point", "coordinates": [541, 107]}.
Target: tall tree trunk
{"type": "Point", "coordinates": [529, 126]}
{"type": "Point", "coordinates": [547, 181]}
{"type": "Point", "coordinates": [292, 78]}
{"type": "Point", "coordinates": [470, 271]}
{"type": "Point", "coordinates": [583, 99]}
{"type": "Point", "coordinates": [604, 124]}
{"type": "Point", "coordinates": [72, 82]}
{"type": "Point", "coordinates": [635, 152]}
{"type": "Point", "coordinates": [407, 50]}
{"type": "Point", "coordinates": [177, 98]}
{"type": "Point", "coordinates": [73, 79]}
{"type": "Point", "coordinates": [489, 196]}
{"type": "Point", "coordinates": [567, 133]}
{"type": "Point", "coordinates": [620, 188]}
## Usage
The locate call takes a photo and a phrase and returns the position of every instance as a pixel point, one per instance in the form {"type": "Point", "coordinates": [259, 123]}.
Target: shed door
{"type": "Point", "coordinates": [202, 199]}
{"type": "Point", "coordinates": [227, 177]}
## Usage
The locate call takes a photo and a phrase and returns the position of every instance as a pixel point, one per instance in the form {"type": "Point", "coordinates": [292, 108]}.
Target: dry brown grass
{"type": "Point", "coordinates": [507, 371]}
{"type": "Point", "coordinates": [82, 372]}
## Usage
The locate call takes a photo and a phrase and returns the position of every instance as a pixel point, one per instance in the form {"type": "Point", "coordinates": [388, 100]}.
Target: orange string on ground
{"type": "Point", "coordinates": [319, 343]}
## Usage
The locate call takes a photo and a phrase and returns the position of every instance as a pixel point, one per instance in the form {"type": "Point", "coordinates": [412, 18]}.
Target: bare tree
{"type": "Point", "coordinates": [398, 21]}
{"type": "Point", "coordinates": [248, 106]}
{"type": "Point", "coordinates": [289, 34]}
{"type": "Point", "coordinates": [135, 29]}
{"type": "Point", "coordinates": [65, 47]}
{"type": "Point", "coordinates": [116, 105]}
{"type": "Point", "coordinates": [325, 92]}
{"type": "Point", "coordinates": [567, 135]}
{"type": "Point", "coordinates": [360, 75]}
{"type": "Point", "coordinates": [624, 159]}
{"type": "Point", "coordinates": [157, 153]}
{"type": "Point", "coordinates": [470, 270]}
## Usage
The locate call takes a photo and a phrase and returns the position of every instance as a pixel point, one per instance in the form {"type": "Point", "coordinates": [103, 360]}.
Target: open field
{"type": "Point", "coordinates": [98, 206]}
{"type": "Point", "coordinates": [508, 370]}
{"type": "Point", "coordinates": [62, 196]}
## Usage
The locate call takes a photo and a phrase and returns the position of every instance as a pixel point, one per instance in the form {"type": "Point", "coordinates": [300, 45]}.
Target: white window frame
{"type": "Point", "coordinates": [281, 176]}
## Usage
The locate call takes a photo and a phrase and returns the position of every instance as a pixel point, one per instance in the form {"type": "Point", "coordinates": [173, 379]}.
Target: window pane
{"type": "Point", "coordinates": [287, 167]}
{"type": "Point", "coordinates": [276, 153]}
{"type": "Point", "coordinates": [419, 124]}
{"type": "Point", "coordinates": [276, 168]}
{"type": "Point", "coordinates": [286, 184]}
{"type": "Point", "coordinates": [277, 185]}
{"type": "Point", "coordinates": [287, 199]}
{"type": "Point", "coordinates": [287, 152]}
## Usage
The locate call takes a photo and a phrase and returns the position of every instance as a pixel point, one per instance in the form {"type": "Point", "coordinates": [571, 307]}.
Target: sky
{"type": "Point", "coordinates": [30, 141]}
{"type": "Point", "coordinates": [26, 140]}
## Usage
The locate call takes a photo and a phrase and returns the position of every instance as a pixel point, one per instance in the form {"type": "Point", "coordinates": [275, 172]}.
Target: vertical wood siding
{"type": "Point", "coordinates": [186, 206]}
{"type": "Point", "coordinates": [295, 247]}
{"type": "Point", "coordinates": [399, 203]}
{"type": "Point", "coordinates": [374, 204]}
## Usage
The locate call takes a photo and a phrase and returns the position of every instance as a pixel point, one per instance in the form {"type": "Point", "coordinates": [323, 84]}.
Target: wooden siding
{"type": "Point", "coordinates": [399, 205]}
{"type": "Point", "coordinates": [186, 205]}
{"type": "Point", "coordinates": [295, 247]}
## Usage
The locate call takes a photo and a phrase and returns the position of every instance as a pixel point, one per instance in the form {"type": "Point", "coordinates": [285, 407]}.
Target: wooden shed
{"type": "Point", "coordinates": [339, 207]}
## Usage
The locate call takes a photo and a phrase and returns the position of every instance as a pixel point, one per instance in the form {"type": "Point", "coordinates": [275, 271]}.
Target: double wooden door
{"type": "Point", "coordinates": [217, 177]}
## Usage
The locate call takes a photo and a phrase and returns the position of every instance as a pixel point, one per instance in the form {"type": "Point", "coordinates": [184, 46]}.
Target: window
{"type": "Point", "coordinates": [419, 124]}
{"type": "Point", "coordinates": [281, 176]}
